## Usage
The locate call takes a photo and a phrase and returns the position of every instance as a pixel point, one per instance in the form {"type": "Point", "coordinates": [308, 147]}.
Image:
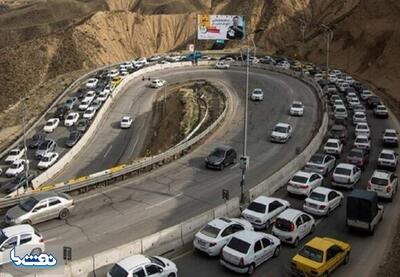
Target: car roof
{"type": "Point", "coordinates": [48, 154]}
{"type": "Point", "coordinates": [223, 147]}
{"type": "Point", "coordinates": [390, 131]}
{"type": "Point", "coordinates": [280, 124]}
{"type": "Point", "coordinates": [333, 140]}
{"type": "Point", "coordinates": [346, 165]}
{"type": "Point", "coordinates": [265, 199]}
{"type": "Point", "coordinates": [322, 190]}
{"type": "Point", "coordinates": [297, 102]}
{"type": "Point", "coordinates": [290, 214]}
{"type": "Point", "coordinates": [387, 151]}
{"type": "Point", "coordinates": [362, 123]}
{"type": "Point", "coordinates": [320, 243]}
{"type": "Point", "coordinates": [132, 261]}
{"type": "Point", "coordinates": [126, 117]}
{"type": "Point", "coordinates": [44, 195]}
{"type": "Point", "coordinates": [249, 236]}
{"type": "Point", "coordinates": [17, 229]}
{"type": "Point", "coordinates": [303, 173]}
{"type": "Point", "coordinates": [362, 136]}
{"type": "Point", "coordinates": [220, 222]}
{"type": "Point", "coordinates": [381, 174]}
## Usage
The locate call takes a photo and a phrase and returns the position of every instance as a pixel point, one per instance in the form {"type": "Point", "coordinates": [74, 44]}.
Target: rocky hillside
{"type": "Point", "coordinates": [43, 39]}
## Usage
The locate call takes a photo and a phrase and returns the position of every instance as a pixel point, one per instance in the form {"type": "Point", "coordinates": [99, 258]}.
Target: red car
{"type": "Point", "coordinates": [358, 157]}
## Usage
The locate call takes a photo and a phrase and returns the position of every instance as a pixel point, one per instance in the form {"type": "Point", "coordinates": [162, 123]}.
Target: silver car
{"type": "Point", "coordinates": [40, 207]}
{"type": "Point", "coordinates": [321, 163]}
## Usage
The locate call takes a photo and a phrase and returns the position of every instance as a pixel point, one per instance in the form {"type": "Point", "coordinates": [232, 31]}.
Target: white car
{"type": "Point", "coordinates": [338, 102]}
{"type": "Point", "coordinates": [318, 77]}
{"type": "Point", "coordinates": [142, 266]}
{"type": "Point", "coordinates": [321, 163]}
{"type": "Point", "coordinates": [89, 113]}
{"type": "Point", "coordinates": [384, 183]}
{"type": "Point", "coordinates": [340, 112]}
{"type": "Point", "coordinates": [92, 83]}
{"type": "Point", "coordinates": [16, 168]}
{"type": "Point", "coordinates": [23, 237]}
{"type": "Point", "coordinates": [283, 65]}
{"type": "Point", "coordinates": [332, 78]}
{"type": "Point", "coordinates": [281, 132]}
{"type": "Point", "coordinates": [126, 122]}
{"type": "Point", "coordinates": [387, 159]}
{"type": "Point", "coordinates": [142, 60]}
{"type": "Point", "coordinates": [292, 225]}
{"type": "Point", "coordinates": [348, 79]}
{"type": "Point", "coordinates": [248, 249]}
{"type": "Point", "coordinates": [354, 102]}
{"type": "Point", "coordinates": [127, 64]}
{"type": "Point", "coordinates": [15, 154]}
{"type": "Point", "coordinates": [263, 210]}
{"type": "Point", "coordinates": [346, 175]}
{"type": "Point", "coordinates": [362, 129]}
{"type": "Point", "coordinates": [322, 201]}
{"type": "Point", "coordinates": [390, 138]}
{"type": "Point", "coordinates": [157, 83]}
{"type": "Point", "coordinates": [365, 94]}
{"type": "Point", "coordinates": [84, 104]}
{"type": "Point", "coordinates": [362, 142]}
{"type": "Point", "coordinates": [297, 108]}
{"type": "Point", "coordinates": [155, 58]}
{"type": "Point", "coordinates": [113, 73]}
{"type": "Point", "coordinates": [222, 65]}
{"type": "Point", "coordinates": [90, 95]}
{"type": "Point", "coordinates": [359, 108]}
{"type": "Point", "coordinates": [103, 96]}
{"type": "Point", "coordinates": [51, 125]}
{"type": "Point", "coordinates": [343, 87]}
{"type": "Point", "coordinates": [257, 95]}
{"type": "Point", "coordinates": [359, 117]}
{"type": "Point", "coordinates": [71, 119]}
{"type": "Point", "coordinates": [303, 182]}
{"type": "Point", "coordinates": [48, 160]}
{"type": "Point", "coordinates": [217, 233]}
{"type": "Point", "coordinates": [333, 147]}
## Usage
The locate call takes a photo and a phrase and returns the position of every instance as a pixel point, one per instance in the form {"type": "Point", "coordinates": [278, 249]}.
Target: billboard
{"type": "Point", "coordinates": [220, 27]}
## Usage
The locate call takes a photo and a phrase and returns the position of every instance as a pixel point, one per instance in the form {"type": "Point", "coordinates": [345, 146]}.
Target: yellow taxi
{"type": "Point", "coordinates": [116, 81]}
{"type": "Point", "coordinates": [319, 257]}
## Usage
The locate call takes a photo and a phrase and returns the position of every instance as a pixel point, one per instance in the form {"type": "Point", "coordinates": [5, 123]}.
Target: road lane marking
{"type": "Point", "coordinates": [235, 165]}
{"type": "Point", "coordinates": [52, 239]}
{"type": "Point", "coordinates": [182, 255]}
{"type": "Point", "coordinates": [164, 201]}
{"type": "Point", "coordinates": [318, 221]}
{"type": "Point", "coordinates": [108, 151]}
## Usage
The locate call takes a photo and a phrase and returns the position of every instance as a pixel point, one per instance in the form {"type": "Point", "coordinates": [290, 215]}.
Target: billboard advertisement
{"type": "Point", "coordinates": [220, 27]}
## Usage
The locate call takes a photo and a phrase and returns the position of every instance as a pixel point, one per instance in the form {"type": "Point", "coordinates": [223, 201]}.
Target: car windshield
{"type": "Point", "coordinates": [317, 159]}
{"type": "Point", "coordinates": [362, 127]}
{"type": "Point", "coordinates": [343, 171]}
{"type": "Point", "coordinates": [379, 181]}
{"type": "Point", "coordinates": [257, 207]}
{"type": "Point", "coordinates": [340, 110]}
{"type": "Point", "coordinates": [280, 129]}
{"type": "Point", "coordinates": [257, 92]}
{"type": "Point", "coordinates": [28, 204]}
{"type": "Point", "coordinates": [15, 165]}
{"type": "Point", "coordinates": [297, 105]}
{"type": "Point", "coordinates": [336, 131]}
{"type": "Point", "coordinates": [361, 140]}
{"type": "Point", "coordinates": [389, 134]}
{"type": "Point", "coordinates": [317, 196]}
{"type": "Point", "coordinates": [210, 231]}
{"type": "Point", "coordinates": [46, 159]}
{"type": "Point", "coordinates": [3, 237]}
{"type": "Point", "coordinates": [299, 179]}
{"type": "Point", "coordinates": [283, 224]}
{"type": "Point", "coordinates": [312, 254]}
{"type": "Point", "coordinates": [118, 271]}
{"type": "Point", "coordinates": [50, 123]}
{"type": "Point", "coordinates": [14, 152]}
{"type": "Point", "coordinates": [43, 146]}
{"type": "Point", "coordinates": [331, 144]}
{"type": "Point", "coordinates": [239, 245]}
{"type": "Point", "coordinates": [386, 156]}
{"type": "Point", "coordinates": [359, 116]}
{"type": "Point", "coordinates": [156, 260]}
{"type": "Point", "coordinates": [70, 117]}
{"type": "Point", "coordinates": [356, 154]}
{"type": "Point", "coordinates": [218, 153]}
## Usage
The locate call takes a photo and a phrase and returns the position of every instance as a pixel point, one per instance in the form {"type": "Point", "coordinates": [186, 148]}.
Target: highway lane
{"type": "Point", "coordinates": [367, 251]}
{"type": "Point", "coordinates": [182, 189]}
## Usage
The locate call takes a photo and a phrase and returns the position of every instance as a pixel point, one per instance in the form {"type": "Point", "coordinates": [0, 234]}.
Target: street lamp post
{"type": "Point", "coordinates": [329, 37]}
{"type": "Point", "coordinates": [24, 138]}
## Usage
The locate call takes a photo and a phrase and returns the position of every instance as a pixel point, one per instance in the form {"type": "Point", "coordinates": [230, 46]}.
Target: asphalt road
{"type": "Point", "coordinates": [182, 189]}
{"type": "Point", "coordinates": [367, 251]}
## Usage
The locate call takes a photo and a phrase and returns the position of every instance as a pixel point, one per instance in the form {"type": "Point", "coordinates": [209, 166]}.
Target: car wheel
{"type": "Point", "coordinates": [296, 242]}
{"type": "Point", "coordinates": [312, 229]}
{"type": "Point", "coordinates": [171, 275]}
{"type": "Point", "coordinates": [371, 230]}
{"type": "Point", "coordinates": [64, 214]}
{"type": "Point", "coordinates": [36, 251]}
{"type": "Point", "coordinates": [267, 224]}
{"type": "Point", "coordinates": [277, 251]}
{"type": "Point", "coordinates": [328, 212]}
{"type": "Point", "coordinates": [27, 221]}
{"type": "Point", "coordinates": [251, 269]}
{"type": "Point", "coordinates": [221, 167]}
{"type": "Point", "coordinates": [346, 258]}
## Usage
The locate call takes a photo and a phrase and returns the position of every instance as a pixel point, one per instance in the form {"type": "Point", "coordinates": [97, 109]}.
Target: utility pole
{"type": "Point", "coordinates": [24, 138]}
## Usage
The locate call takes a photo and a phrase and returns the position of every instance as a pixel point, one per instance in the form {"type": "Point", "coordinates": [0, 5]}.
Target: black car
{"type": "Point", "coordinates": [70, 103]}
{"type": "Point", "coordinates": [36, 140]}
{"type": "Point", "coordinates": [61, 112]}
{"type": "Point", "coordinates": [80, 93]}
{"type": "Point", "coordinates": [74, 137]}
{"type": "Point", "coordinates": [373, 101]}
{"type": "Point", "coordinates": [16, 183]}
{"type": "Point", "coordinates": [82, 125]}
{"type": "Point", "coordinates": [338, 131]}
{"type": "Point", "coordinates": [358, 86]}
{"type": "Point", "coordinates": [220, 157]}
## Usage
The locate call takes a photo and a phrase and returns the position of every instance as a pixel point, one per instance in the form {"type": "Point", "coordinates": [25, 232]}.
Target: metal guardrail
{"type": "Point", "coordinates": [121, 170]}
